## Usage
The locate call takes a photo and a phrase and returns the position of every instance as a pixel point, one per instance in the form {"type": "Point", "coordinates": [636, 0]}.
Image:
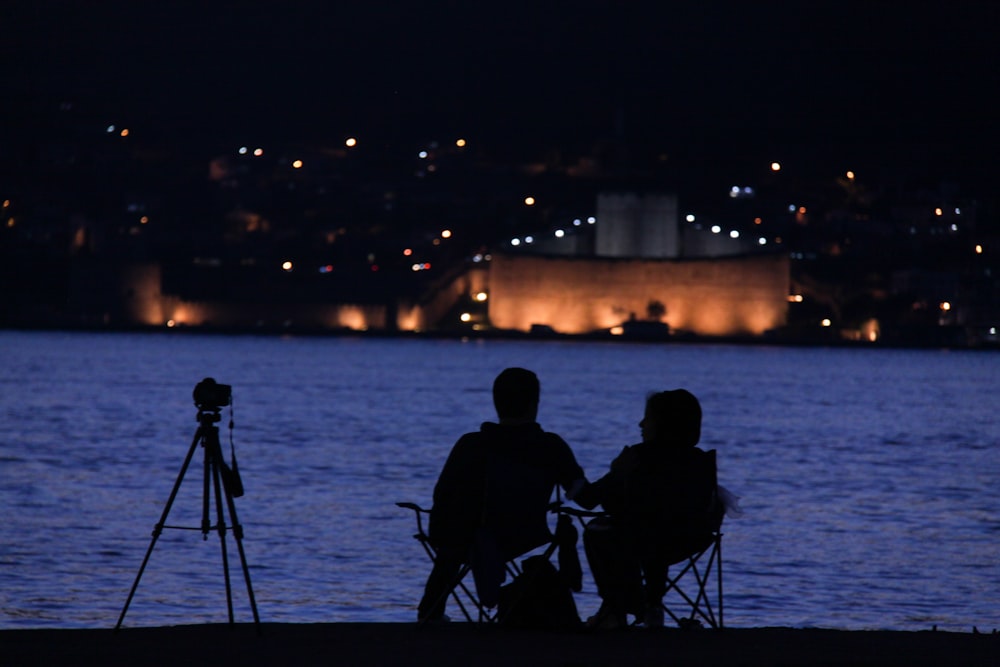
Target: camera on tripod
{"type": "Point", "coordinates": [221, 481]}
{"type": "Point", "coordinates": [210, 395]}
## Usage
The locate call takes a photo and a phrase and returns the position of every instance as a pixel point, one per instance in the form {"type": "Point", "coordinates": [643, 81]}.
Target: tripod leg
{"type": "Point", "coordinates": [221, 525]}
{"type": "Point", "coordinates": [238, 534]}
{"type": "Point", "coordinates": [158, 528]}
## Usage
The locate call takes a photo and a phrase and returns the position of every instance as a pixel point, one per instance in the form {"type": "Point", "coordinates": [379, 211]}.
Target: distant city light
{"type": "Point", "coordinates": [446, 234]}
{"type": "Point", "coordinates": [351, 142]}
{"type": "Point", "coordinates": [560, 233]}
{"type": "Point", "coordinates": [529, 239]}
{"type": "Point", "coordinates": [761, 241]}
{"type": "Point", "coordinates": [460, 143]}
{"type": "Point", "coordinates": [481, 296]}
{"type": "Point", "coordinates": [287, 266]}
{"type": "Point", "coordinates": [407, 252]}
{"type": "Point", "coordinates": [515, 242]}
{"type": "Point", "coordinates": [734, 191]}
{"type": "Point", "coordinates": [775, 166]}
{"type": "Point", "coordinates": [850, 175]}
{"type": "Point", "coordinates": [258, 152]}
{"type": "Point", "coordinates": [591, 220]}
{"type": "Point", "coordinates": [689, 217]}
{"type": "Point", "coordinates": [422, 155]}
{"type": "Point", "coordinates": [938, 212]}
{"type": "Point", "coordinates": [243, 150]}
{"type": "Point", "coordinates": [979, 249]}
{"type": "Point", "coordinates": [577, 222]}
{"type": "Point", "coordinates": [529, 201]}
{"type": "Point", "coordinates": [825, 322]}
{"type": "Point", "coordinates": [110, 129]}
{"type": "Point", "coordinates": [757, 221]}
{"type": "Point", "coordinates": [124, 132]}
{"type": "Point", "coordinates": [795, 298]}
{"type": "Point", "coordinates": [144, 219]}
{"type": "Point", "coordinates": [734, 234]}
{"type": "Point", "coordinates": [297, 164]}
{"type": "Point", "coordinates": [791, 208]}
{"type": "Point", "coordinates": [171, 323]}
{"type": "Point", "coordinates": [326, 268]}
{"type": "Point", "coordinates": [616, 331]}
{"type": "Point", "coordinates": [465, 317]}
{"type": "Point", "coordinates": [945, 306]}
{"type": "Point", "coordinates": [958, 211]}
{"type": "Point", "coordinates": [716, 229]}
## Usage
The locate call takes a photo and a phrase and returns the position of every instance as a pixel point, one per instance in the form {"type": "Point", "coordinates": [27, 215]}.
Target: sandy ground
{"type": "Point", "coordinates": [466, 644]}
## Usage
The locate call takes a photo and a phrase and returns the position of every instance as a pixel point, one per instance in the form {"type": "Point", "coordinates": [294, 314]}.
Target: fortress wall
{"type": "Point", "coordinates": [141, 299]}
{"type": "Point", "coordinates": [316, 316]}
{"type": "Point", "coordinates": [728, 296]}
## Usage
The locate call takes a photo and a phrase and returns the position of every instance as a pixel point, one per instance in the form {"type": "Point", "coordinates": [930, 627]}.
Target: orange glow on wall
{"type": "Point", "coordinates": [729, 296]}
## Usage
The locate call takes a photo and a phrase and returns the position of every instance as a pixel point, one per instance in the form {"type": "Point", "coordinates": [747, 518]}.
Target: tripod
{"type": "Point", "coordinates": [218, 477]}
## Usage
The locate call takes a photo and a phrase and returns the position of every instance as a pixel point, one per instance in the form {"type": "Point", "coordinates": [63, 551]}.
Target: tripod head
{"type": "Point", "coordinates": [208, 417]}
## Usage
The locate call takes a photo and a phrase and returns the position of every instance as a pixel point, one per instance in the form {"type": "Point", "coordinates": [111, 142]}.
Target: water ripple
{"type": "Point", "coordinates": [861, 472]}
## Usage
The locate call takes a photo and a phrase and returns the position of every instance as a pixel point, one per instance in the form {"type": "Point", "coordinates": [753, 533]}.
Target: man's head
{"type": "Point", "coordinates": [515, 394]}
{"type": "Point", "coordinates": [672, 417]}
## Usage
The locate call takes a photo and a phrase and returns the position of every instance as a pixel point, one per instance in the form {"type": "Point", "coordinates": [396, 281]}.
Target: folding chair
{"type": "Point", "coordinates": [701, 572]}
{"type": "Point", "coordinates": [466, 597]}
{"type": "Point", "coordinates": [693, 567]}
{"type": "Point", "coordinates": [701, 564]}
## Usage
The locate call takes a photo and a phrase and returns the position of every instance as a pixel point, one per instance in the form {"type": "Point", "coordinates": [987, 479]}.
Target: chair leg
{"type": "Point", "coordinates": [701, 606]}
{"type": "Point", "coordinates": [718, 572]}
{"type": "Point", "coordinates": [452, 590]}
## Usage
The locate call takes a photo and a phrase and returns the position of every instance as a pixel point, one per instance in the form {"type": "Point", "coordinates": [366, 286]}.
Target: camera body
{"type": "Point", "coordinates": [210, 395]}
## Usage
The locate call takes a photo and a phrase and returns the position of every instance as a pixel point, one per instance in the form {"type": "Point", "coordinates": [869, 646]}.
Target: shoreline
{"type": "Point", "coordinates": [465, 643]}
{"type": "Point", "coordinates": [671, 338]}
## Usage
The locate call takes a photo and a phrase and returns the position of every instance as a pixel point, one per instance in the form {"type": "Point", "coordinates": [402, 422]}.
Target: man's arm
{"type": "Point", "coordinates": [570, 475]}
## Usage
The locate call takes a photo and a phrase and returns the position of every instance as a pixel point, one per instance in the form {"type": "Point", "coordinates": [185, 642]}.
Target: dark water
{"type": "Point", "coordinates": [868, 477]}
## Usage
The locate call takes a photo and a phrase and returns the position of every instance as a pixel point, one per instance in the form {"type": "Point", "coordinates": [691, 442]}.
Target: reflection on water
{"type": "Point", "coordinates": [867, 476]}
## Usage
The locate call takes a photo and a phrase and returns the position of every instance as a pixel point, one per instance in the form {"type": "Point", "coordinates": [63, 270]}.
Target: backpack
{"type": "Point", "coordinates": [538, 599]}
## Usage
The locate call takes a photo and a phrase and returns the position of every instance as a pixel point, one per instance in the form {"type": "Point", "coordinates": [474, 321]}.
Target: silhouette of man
{"type": "Point", "coordinates": [662, 503]}
{"type": "Point", "coordinates": [492, 497]}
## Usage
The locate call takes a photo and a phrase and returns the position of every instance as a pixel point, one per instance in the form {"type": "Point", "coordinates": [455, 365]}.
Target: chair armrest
{"type": "Point", "coordinates": [573, 511]}
{"type": "Point", "coordinates": [412, 506]}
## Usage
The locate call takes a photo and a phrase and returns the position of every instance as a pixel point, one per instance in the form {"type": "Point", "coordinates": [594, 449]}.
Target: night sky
{"type": "Point", "coordinates": [877, 82]}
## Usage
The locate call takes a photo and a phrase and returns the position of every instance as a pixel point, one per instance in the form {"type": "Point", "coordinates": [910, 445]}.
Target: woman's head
{"type": "Point", "coordinates": [672, 418]}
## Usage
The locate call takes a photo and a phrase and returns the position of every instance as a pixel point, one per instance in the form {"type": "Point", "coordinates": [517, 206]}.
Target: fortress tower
{"type": "Point", "coordinates": [637, 226]}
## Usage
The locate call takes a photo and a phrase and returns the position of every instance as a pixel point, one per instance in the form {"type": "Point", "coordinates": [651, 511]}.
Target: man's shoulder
{"type": "Point", "coordinates": [531, 436]}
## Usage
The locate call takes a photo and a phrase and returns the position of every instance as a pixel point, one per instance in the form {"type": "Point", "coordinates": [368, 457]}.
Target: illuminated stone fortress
{"type": "Point", "coordinates": [645, 265]}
